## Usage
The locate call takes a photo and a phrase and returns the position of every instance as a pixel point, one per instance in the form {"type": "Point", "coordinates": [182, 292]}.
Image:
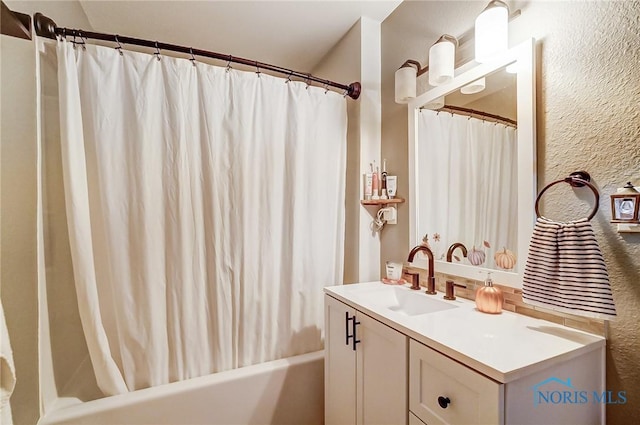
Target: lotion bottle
{"type": "Point", "coordinates": [489, 298]}
{"type": "Point", "coordinates": [368, 185]}
{"type": "Point", "coordinates": [392, 183]}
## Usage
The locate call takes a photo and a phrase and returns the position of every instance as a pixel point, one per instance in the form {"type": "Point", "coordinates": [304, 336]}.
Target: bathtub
{"type": "Point", "coordinates": [287, 391]}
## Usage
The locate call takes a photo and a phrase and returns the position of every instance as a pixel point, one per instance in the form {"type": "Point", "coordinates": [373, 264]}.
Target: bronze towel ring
{"type": "Point", "coordinates": [577, 179]}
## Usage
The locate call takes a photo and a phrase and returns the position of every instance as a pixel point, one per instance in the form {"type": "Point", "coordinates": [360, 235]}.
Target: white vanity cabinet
{"type": "Point", "coordinates": [386, 363]}
{"type": "Point", "coordinates": [365, 369]}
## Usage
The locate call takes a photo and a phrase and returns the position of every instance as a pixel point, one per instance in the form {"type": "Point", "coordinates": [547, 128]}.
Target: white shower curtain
{"type": "Point", "coordinates": [468, 176]}
{"type": "Point", "coordinates": [205, 212]}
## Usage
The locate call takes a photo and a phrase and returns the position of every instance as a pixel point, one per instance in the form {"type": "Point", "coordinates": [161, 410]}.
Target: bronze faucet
{"type": "Point", "coordinates": [431, 280]}
{"type": "Point", "coordinates": [453, 248]}
{"type": "Point", "coordinates": [449, 284]}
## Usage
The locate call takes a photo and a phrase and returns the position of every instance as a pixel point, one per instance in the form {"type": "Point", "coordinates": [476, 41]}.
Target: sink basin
{"type": "Point", "coordinates": [412, 303]}
{"type": "Point", "coordinates": [404, 300]}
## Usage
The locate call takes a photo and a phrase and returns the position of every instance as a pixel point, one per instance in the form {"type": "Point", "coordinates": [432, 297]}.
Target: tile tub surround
{"type": "Point", "coordinates": [512, 302]}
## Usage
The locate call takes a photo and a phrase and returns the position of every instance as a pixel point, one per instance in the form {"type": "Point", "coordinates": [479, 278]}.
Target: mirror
{"type": "Point", "coordinates": [472, 178]}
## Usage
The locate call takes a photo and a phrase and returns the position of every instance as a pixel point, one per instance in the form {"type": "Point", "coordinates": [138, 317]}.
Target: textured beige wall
{"type": "Point", "coordinates": [588, 112]}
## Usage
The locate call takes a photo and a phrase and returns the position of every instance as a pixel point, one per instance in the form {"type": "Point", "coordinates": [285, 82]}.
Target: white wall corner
{"type": "Point", "coordinates": [370, 138]}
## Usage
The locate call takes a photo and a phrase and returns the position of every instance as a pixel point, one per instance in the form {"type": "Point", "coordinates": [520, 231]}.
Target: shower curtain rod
{"type": "Point", "coordinates": [46, 27]}
{"type": "Point", "coordinates": [478, 114]}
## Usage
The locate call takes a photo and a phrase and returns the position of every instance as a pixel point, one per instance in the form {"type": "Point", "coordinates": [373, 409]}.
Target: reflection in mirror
{"type": "Point", "coordinates": [469, 189]}
{"type": "Point", "coordinates": [472, 168]}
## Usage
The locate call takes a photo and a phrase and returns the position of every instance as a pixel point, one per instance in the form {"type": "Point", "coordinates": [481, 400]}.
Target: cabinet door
{"type": "Point", "coordinates": [413, 420]}
{"type": "Point", "coordinates": [382, 373]}
{"type": "Point", "coordinates": [442, 391]}
{"type": "Point", "coordinates": [339, 366]}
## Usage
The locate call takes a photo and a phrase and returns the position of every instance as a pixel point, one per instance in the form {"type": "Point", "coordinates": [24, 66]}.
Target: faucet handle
{"type": "Point", "coordinates": [415, 280]}
{"type": "Point", "coordinates": [450, 290]}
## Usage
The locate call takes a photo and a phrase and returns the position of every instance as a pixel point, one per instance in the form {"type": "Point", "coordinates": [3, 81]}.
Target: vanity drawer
{"type": "Point", "coordinates": [442, 391]}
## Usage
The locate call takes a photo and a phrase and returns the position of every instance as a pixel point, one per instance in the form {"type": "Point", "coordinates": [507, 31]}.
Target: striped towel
{"type": "Point", "coordinates": [565, 270]}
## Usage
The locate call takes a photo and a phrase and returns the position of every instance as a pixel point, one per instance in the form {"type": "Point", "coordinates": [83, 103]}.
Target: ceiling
{"type": "Point", "coordinates": [291, 34]}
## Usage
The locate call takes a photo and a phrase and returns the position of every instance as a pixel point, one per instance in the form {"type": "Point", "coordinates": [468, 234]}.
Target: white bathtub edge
{"type": "Point", "coordinates": [67, 409]}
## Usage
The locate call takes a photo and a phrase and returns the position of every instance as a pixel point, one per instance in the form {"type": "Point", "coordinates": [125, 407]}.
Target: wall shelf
{"type": "Point", "coordinates": [382, 201]}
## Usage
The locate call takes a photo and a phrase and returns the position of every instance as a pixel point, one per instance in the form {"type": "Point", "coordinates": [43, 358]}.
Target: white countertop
{"type": "Point", "coordinates": [503, 347]}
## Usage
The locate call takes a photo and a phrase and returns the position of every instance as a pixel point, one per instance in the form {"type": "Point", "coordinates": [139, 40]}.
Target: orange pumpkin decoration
{"type": "Point", "coordinates": [489, 298]}
{"type": "Point", "coordinates": [505, 259]}
{"type": "Point", "coordinates": [475, 256]}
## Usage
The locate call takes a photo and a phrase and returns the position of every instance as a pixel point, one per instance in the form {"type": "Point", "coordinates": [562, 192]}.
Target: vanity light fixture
{"type": "Point", "coordinates": [442, 58]}
{"type": "Point", "coordinates": [493, 38]}
{"type": "Point", "coordinates": [475, 87]}
{"type": "Point", "coordinates": [625, 204]}
{"type": "Point", "coordinates": [406, 80]}
{"type": "Point", "coordinates": [492, 31]}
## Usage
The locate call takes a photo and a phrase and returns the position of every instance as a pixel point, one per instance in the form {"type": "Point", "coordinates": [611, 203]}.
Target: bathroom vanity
{"type": "Point", "coordinates": [397, 356]}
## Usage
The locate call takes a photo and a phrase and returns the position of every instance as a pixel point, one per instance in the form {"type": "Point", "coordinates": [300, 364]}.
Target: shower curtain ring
{"type": "Point", "coordinates": [157, 53]}
{"type": "Point", "coordinates": [229, 63]}
{"type": "Point", "coordinates": [193, 59]}
{"type": "Point", "coordinates": [81, 42]}
{"type": "Point", "coordinates": [326, 88]}
{"type": "Point", "coordinates": [119, 47]}
{"type": "Point", "coordinates": [289, 77]}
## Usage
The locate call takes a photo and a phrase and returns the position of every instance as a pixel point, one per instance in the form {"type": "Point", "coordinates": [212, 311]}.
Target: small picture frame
{"type": "Point", "coordinates": [624, 208]}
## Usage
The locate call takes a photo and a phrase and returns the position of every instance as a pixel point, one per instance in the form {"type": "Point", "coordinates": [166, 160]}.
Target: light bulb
{"type": "Point", "coordinates": [406, 84]}
{"type": "Point", "coordinates": [492, 31]}
{"type": "Point", "coordinates": [441, 62]}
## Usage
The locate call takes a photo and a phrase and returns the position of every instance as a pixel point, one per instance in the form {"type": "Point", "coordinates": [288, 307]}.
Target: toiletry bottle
{"type": "Point", "coordinates": [488, 297]}
{"type": "Point", "coordinates": [392, 183]}
{"type": "Point", "coordinates": [368, 183]}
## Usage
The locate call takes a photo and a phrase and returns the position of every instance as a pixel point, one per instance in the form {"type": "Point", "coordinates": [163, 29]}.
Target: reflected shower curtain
{"type": "Point", "coordinates": [205, 212]}
{"type": "Point", "coordinates": [468, 172]}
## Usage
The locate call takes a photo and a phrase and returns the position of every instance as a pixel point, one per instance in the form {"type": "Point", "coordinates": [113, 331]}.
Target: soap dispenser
{"type": "Point", "coordinates": [489, 298]}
